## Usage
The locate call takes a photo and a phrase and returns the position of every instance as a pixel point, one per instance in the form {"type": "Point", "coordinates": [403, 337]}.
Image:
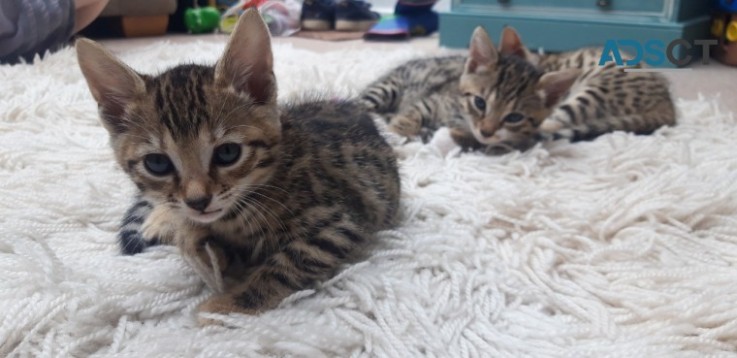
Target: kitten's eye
{"type": "Point", "coordinates": [513, 117]}
{"type": "Point", "coordinates": [480, 103]}
{"type": "Point", "coordinates": [158, 164]}
{"type": "Point", "coordinates": [226, 154]}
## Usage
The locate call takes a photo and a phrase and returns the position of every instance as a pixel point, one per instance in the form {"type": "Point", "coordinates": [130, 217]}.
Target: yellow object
{"type": "Point", "coordinates": [227, 23]}
{"type": "Point", "coordinates": [717, 27]}
{"type": "Point", "coordinates": [732, 31]}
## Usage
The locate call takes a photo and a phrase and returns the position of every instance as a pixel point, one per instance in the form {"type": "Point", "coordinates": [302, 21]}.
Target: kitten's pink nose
{"type": "Point", "coordinates": [199, 204]}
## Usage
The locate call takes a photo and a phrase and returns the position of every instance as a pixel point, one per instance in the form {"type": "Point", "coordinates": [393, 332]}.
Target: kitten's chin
{"type": "Point", "coordinates": [206, 217]}
{"type": "Point", "coordinates": [493, 140]}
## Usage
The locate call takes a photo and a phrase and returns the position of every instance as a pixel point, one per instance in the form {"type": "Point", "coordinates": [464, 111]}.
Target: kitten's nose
{"type": "Point", "coordinates": [199, 204]}
{"type": "Point", "coordinates": [486, 133]}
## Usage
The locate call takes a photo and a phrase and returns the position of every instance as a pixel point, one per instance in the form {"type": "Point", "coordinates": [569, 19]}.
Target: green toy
{"type": "Point", "coordinates": [200, 20]}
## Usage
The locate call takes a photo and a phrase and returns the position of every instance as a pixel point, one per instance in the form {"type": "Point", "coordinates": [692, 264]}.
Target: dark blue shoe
{"type": "Point", "coordinates": [354, 15]}
{"type": "Point", "coordinates": [423, 24]}
{"type": "Point", "coordinates": [422, 20]}
{"type": "Point", "coordinates": [413, 7]}
{"type": "Point", "coordinates": [318, 15]}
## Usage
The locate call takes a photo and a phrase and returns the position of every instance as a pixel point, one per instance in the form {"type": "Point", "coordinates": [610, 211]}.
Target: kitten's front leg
{"type": "Point", "coordinates": [162, 223]}
{"type": "Point", "coordinates": [264, 289]}
{"type": "Point", "coordinates": [194, 241]}
{"type": "Point", "coordinates": [298, 265]}
{"type": "Point", "coordinates": [145, 225]}
{"type": "Point", "coordinates": [407, 124]}
{"type": "Point", "coordinates": [382, 96]}
{"type": "Point", "coordinates": [465, 139]}
{"type": "Point", "coordinates": [430, 113]}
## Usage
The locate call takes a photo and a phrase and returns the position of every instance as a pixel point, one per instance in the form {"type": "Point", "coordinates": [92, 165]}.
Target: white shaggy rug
{"type": "Point", "coordinates": [625, 246]}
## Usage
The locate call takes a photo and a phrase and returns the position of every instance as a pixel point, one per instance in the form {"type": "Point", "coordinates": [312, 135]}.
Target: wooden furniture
{"type": "Point", "coordinates": [141, 17]}
{"type": "Point", "coordinates": [560, 25]}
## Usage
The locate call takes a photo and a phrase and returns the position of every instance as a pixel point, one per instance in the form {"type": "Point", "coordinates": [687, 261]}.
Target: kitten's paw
{"type": "Point", "coordinates": [161, 225]}
{"type": "Point", "coordinates": [220, 304]}
{"type": "Point", "coordinates": [405, 125]}
{"type": "Point", "coordinates": [132, 242]}
{"type": "Point", "coordinates": [550, 126]}
{"type": "Point", "coordinates": [498, 149]}
{"type": "Point", "coordinates": [465, 140]}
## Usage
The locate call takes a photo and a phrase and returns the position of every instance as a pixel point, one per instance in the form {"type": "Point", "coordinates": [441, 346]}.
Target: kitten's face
{"type": "Point", "coordinates": [503, 105]}
{"type": "Point", "coordinates": [507, 98]}
{"type": "Point", "coordinates": [197, 153]}
{"type": "Point", "coordinates": [193, 137]}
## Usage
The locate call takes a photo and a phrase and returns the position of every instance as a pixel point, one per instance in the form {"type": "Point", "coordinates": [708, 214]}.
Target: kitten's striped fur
{"type": "Point", "coordinates": [580, 100]}
{"type": "Point", "coordinates": [131, 232]}
{"type": "Point", "coordinates": [418, 96]}
{"type": "Point", "coordinates": [313, 182]}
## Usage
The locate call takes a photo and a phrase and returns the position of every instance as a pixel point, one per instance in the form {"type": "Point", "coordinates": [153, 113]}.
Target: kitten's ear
{"type": "Point", "coordinates": [511, 44]}
{"type": "Point", "coordinates": [247, 64]}
{"type": "Point", "coordinates": [554, 85]}
{"type": "Point", "coordinates": [482, 55]}
{"type": "Point", "coordinates": [113, 84]}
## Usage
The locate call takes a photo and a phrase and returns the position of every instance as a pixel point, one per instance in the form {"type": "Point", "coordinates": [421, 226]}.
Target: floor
{"type": "Point", "coordinates": [714, 79]}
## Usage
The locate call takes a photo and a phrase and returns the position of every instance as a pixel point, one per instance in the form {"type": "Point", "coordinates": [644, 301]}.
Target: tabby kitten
{"type": "Point", "coordinates": [280, 195]}
{"type": "Point", "coordinates": [492, 101]}
{"type": "Point", "coordinates": [425, 94]}
{"type": "Point", "coordinates": [604, 99]}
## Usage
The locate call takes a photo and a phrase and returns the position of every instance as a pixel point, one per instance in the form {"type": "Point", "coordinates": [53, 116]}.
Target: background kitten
{"type": "Point", "coordinates": [422, 95]}
{"type": "Point", "coordinates": [282, 195]}
{"type": "Point", "coordinates": [501, 103]}
{"type": "Point", "coordinates": [604, 98]}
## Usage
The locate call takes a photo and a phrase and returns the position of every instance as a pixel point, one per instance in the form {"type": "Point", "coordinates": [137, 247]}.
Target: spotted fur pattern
{"type": "Point", "coordinates": [312, 183]}
{"type": "Point", "coordinates": [603, 99]}
{"type": "Point", "coordinates": [552, 96]}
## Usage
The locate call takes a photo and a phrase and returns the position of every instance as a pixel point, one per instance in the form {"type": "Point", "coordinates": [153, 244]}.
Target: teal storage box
{"type": "Point", "coordinates": [562, 25]}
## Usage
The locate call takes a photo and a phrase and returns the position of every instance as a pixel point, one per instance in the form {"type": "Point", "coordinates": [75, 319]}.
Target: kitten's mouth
{"type": "Point", "coordinates": [206, 216]}
{"type": "Point", "coordinates": [485, 140]}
